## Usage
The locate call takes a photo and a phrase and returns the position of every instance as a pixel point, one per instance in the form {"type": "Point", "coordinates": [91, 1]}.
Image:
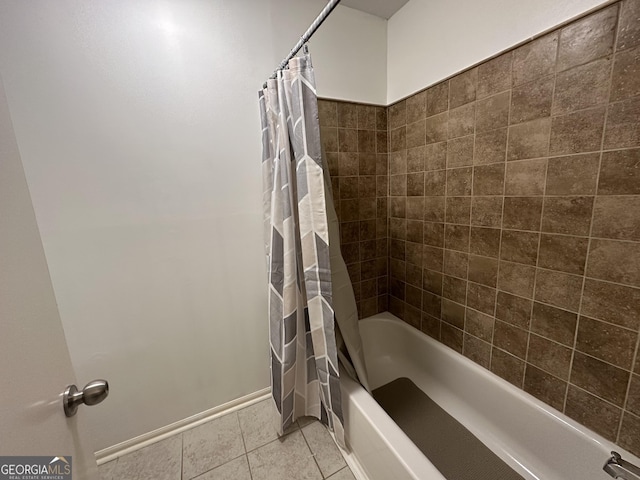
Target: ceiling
{"type": "Point", "coordinates": [381, 8]}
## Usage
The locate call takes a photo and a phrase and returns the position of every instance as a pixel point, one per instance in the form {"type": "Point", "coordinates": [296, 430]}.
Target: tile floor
{"type": "Point", "coordinates": [238, 446]}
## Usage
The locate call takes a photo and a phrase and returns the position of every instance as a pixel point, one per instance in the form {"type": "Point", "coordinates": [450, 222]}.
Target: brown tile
{"type": "Point", "coordinates": [451, 337]}
{"type": "Point", "coordinates": [625, 81]}
{"type": "Point", "coordinates": [416, 133]}
{"type": "Point", "coordinates": [382, 164]}
{"type": "Point", "coordinates": [511, 339]}
{"type": "Point", "coordinates": [554, 323]}
{"type": "Point", "coordinates": [513, 310]}
{"type": "Point", "coordinates": [435, 156]}
{"type": "Point", "coordinates": [490, 147]}
{"type": "Point", "coordinates": [366, 117]}
{"type": "Point", "coordinates": [366, 141]}
{"type": "Point", "coordinates": [436, 128]}
{"type": "Point", "coordinates": [615, 261]}
{"type": "Point", "coordinates": [351, 254]}
{"type": "Point", "coordinates": [462, 120]}
{"type": "Point", "coordinates": [628, 25]}
{"type": "Point", "coordinates": [559, 289]}
{"type": "Point", "coordinates": [348, 187]}
{"type": "Point", "coordinates": [481, 298]}
{"type": "Point", "coordinates": [612, 303]}
{"type": "Point", "coordinates": [573, 175]}
{"type": "Point", "coordinates": [415, 207]}
{"type": "Point", "coordinates": [526, 177]}
{"type": "Point", "coordinates": [462, 88]}
{"type": "Point", "coordinates": [413, 275]}
{"type": "Point", "coordinates": [485, 241]}
{"type": "Point", "coordinates": [398, 162]}
{"type": "Point", "coordinates": [592, 412]}
{"type": "Point", "coordinates": [620, 173]}
{"type": "Point", "coordinates": [456, 263]}
{"type": "Point", "coordinates": [535, 59]}
{"type": "Point", "coordinates": [333, 162]}
{"type": "Point", "coordinates": [477, 350]}
{"type": "Point", "coordinates": [367, 230]}
{"type": "Point", "coordinates": [348, 163]}
{"type": "Point", "coordinates": [563, 253]}
{"type": "Point", "coordinates": [397, 115]}
{"type": "Point", "coordinates": [430, 326]}
{"type": "Point", "coordinates": [328, 113]}
{"type": "Point", "coordinates": [413, 253]}
{"type": "Point", "coordinates": [413, 296]}
{"type": "Point", "coordinates": [623, 125]}
{"type": "Point", "coordinates": [572, 86]}
{"type": "Point", "coordinates": [629, 437]}
{"type": "Point", "coordinates": [432, 281]}
{"type": "Point", "coordinates": [577, 132]}
{"type": "Point", "coordinates": [367, 163]}
{"type": "Point", "coordinates": [438, 98]}
{"type": "Point", "coordinates": [460, 151]}
{"type": "Point", "coordinates": [486, 211]}
{"type": "Point", "coordinates": [349, 210]}
{"type": "Point", "coordinates": [433, 234]}
{"type": "Point", "coordinates": [454, 289]}
{"type": "Point", "coordinates": [349, 232]}
{"type": "Point", "coordinates": [435, 182]}
{"type": "Point", "coordinates": [431, 304]}
{"type": "Point", "coordinates": [488, 179]}
{"type": "Point", "coordinates": [367, 208]}
{"type": "Point", "coordinates": [517, 279]}
{"type": "Point", "coordinates": [397, 288]}
{"type": "Point", "coordinates": [532, 100]}
{"type": "Point", "coordinates": [570, 215]}
{"type": "Point", "coordinates": [398, 207]}
{"type": "Point", "coordinates": [519, 247]}
{"type": "Point", "coordinates": [633, 400]}
{"type": "Point", "coordinates": [398, 139]}
{"type": "Point", "coordinates": [549, 356]}
{"type": "Point", "coordinates": [433, 258]}
{"type": "Point", "coordinates": [367, 250]}
{"type": "Point", "coordinates": [453, 313]}
{"type": "Point", "coordinates": [545, 387]}
{"type": "Point", "coordinates": [329, 137]}
{"type": "Point", "coordinates": [617, 217]}
{"type": "Point", "coordinates": [529, 140]}
{"type": "Point", "coordinates": [415, 184]}
{"type": "Point", "coordinates": [587, 39]}
{"type": "Point", "coordinates": [381, 118]}
{"type": "Point", "coordinates": [398, 267]}
{"type": "Point", "coordinates": [522, 213]}
{"type": "Point", "coordinates": [382, 186]}
{"type": "Point", "coordinates": [459, 181]}
{"type": "Point", "coordinates": [507, 366]}
{"type": "Point", "coordinates": [456, 237]}
{"type": "Point", "coordinates": [492, 112]}
{"type": "Point", "coordinates": [366, 186]}
{"type": "Point", "coordinates": [599, 378]}
{"type": "Point", "coordinates": [495, 75]}
{"type": "Point", "coordinates": [479, 325]}
{"type": "Point", "coordinates": [607, 342]}
{"type": "Point", "coordinates": [417, 107]}
{"type": "Point", "coordinates": [415, 159]}
{"type": "Point", "coordinates": [412, 316]}
{"type": "Point", "coordinates": [458, 210]}
{"type": "Point", "coordinates": [483, 270]}
{"type": "Point", "coordinates": [433, 208]}
{"type": "Point", "coordinates": [347, 115]}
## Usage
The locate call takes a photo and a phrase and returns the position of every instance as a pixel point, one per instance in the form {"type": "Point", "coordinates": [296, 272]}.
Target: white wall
{"type": "Point", "coordinates": [430, 40]}
{"type": "Point", "coordinates": [138, 126]}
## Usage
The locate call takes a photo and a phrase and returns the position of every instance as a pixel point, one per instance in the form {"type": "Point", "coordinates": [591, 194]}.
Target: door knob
{"type": "Point", "coordinates": [92, 394]}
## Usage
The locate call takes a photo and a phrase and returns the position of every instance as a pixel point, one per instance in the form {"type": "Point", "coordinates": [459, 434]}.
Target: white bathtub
{"type": "Point", "coordinates": [536, 440]}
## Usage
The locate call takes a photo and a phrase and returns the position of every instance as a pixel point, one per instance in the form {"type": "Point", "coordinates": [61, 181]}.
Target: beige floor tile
{"type": "Point", "coordinates": [328, 457]}
{"type": "Point", "coordinates": [108, 471]}
{"type": "Point", "coordinates": [344, 474]}
{"type": "Point", "coordinates": [287, 458]}
{"type": "Point", "coordinates": [160, 461]}
{"type": "Point", "coordinates": [237, 469]}
{"type": "Point", "coordinates": [211, 445]}
{"type": "Point", "coordinates": [258, 424]}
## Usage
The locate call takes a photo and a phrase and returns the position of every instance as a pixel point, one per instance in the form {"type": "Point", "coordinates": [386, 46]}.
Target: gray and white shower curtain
{"type": "Point", "coordinates": [300, 256]}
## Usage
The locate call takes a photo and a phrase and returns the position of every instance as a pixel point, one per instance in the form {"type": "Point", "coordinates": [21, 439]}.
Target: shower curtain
{"type": "Point", "coordinates": [306, 272]}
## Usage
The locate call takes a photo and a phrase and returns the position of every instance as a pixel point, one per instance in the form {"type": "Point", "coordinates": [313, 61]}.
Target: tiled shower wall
{"type": "Point", "coordinates": [354, 139]}
{"type": "Point", "coordinates": [514, 215]}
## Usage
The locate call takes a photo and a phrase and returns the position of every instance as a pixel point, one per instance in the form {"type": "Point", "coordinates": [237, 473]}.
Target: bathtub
{"type": "Point", "coordinates": [536, 440]}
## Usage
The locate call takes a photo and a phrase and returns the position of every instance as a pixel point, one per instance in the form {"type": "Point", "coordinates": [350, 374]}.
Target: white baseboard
{"type": "Point", "coordinates": [354, 464]}
{"type": "Point", "coordinates": [111, 453]}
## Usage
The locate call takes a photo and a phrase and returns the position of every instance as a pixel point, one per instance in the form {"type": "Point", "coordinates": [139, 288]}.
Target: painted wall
{"type": "Point", "coordinates": [430, 40]}
{"type": "Point", "coordinates": [138, 126]}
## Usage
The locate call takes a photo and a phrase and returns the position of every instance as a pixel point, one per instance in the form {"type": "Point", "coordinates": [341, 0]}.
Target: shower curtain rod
{"type": "Point", "coordinates": [326, 11]}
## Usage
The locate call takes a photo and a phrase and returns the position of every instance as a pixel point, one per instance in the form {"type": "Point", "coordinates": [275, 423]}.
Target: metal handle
{"type": "Point", "coordinates": [92, 394]}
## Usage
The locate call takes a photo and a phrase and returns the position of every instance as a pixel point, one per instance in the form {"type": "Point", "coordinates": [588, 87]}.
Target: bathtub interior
{"type": "Point", "coordinates": [534, 439]}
